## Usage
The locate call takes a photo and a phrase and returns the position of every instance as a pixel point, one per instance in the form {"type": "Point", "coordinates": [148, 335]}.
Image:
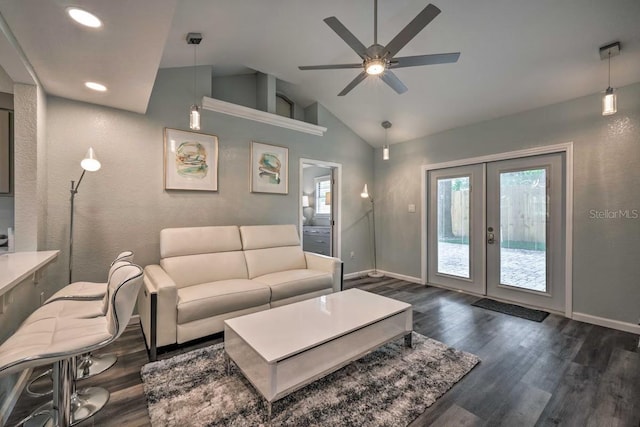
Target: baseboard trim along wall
{"type": "Point", "coordinates": [14, 394]}
{"type": "Point", "coordinates": [607, 323]}
{"type": "Point", "coordinates": [362, 274]}
{"type": "Point", "coordinates": [581, 317]}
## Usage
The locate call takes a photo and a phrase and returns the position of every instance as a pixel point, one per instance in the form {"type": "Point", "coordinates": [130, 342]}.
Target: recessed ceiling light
{"type": "Point", "coordinates": [83, 17]}
{"type": "Point", "coordinates": [96, 86]}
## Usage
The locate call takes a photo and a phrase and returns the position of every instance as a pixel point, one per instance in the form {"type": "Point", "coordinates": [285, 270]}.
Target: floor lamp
{"type": "Point", "coordinates": [365, 195]}
{"type": "Point", "coordinates": [89, 163]}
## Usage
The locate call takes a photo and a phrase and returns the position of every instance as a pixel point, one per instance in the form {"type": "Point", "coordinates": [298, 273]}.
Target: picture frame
{"type": "Point", "coordinates": [269, 168]}
{"type": "Point", "coordinates": [190, 160]}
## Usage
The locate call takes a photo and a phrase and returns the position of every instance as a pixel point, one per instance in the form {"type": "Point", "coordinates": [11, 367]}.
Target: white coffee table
{"type": "Point", "coordinates": [282, 349]}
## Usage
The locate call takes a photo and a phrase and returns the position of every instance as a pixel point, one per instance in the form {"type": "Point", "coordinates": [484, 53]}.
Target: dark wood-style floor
{"type": "Point", "coordinates": [558, 372]}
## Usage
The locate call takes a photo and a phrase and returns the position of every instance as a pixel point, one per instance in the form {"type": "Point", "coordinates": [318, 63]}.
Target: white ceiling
{"type": "Point", "coordinates": [515, 54]}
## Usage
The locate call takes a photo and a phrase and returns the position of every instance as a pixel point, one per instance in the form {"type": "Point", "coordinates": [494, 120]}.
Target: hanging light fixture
{"type": "Point", "coordinates": [194, 112]}
{"type": "Point", "coordinates": [609, 104]}
{"type": "Point", "coordinates": [385, 149]}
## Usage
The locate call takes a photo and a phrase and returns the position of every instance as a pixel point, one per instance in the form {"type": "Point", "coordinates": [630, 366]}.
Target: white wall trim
{"type": "Point", "coordinates": [357, 274]}
{"type": "Point", "coordinates": [13, 395]}
{"type": "Point", "coordinates": [401, 276]}
{"type": "Point", "coordinates": [241, 111]}
{"type": "Point", "coordinates": [337, 228]}
{"type": "Point", "coordinates": [566, 148]}
{"type": "Point", "coordinates": [607, 323]}
{"type": "Point", "coordinates": [363, 274]}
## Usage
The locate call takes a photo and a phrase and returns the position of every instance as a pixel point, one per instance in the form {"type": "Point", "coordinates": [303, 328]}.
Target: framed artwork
{"type": "Point", "coordinates": [269, 168]}
{"type": "Point", "coordinates": [190, 160]}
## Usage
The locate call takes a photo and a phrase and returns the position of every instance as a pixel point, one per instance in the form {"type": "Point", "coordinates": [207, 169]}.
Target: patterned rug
{"type": "Point", "coordinates": [387, 387]}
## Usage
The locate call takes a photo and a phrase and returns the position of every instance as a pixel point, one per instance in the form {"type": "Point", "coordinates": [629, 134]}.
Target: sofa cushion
{"type": "Point", "coordinates": [268, 236]}
{"type": "Point", "coordinates": [199, 240]}
{"type": "Point", "coordinates": [203, 268]}
{"type": "Point", "coordinates": [285, 284]}
{"type": "Point", "coordinates": [272, 260]}
{"type": "Point", "coordinates": [212, 299]}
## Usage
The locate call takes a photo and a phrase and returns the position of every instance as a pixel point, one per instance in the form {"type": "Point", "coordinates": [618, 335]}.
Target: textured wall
{"type": "Point", "coordinates": [124, 205]}
{"type": "Point", "coordinates": [606, 164]}
{"type": "Point", "coordinates": [26, 166]}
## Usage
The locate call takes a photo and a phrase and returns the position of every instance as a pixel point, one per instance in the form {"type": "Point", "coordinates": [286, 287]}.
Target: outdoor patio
{"type": "Point", "coordinates": [520, 267]}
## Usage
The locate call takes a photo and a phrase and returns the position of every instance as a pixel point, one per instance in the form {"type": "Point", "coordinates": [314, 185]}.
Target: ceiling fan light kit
{"type": "Point", "coordinates": [378, 60]}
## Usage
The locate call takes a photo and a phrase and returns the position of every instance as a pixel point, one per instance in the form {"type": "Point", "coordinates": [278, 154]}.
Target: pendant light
{"type": "Point", "coordinates": [385, 149]}
{"type": "Point", "coordinates": [609, 102]}
{"type": "Point", "coordinates": [194, 112]}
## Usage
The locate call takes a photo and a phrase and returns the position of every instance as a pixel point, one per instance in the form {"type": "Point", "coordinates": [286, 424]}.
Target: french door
{"type": "Point", "coordinates": [496, 229]}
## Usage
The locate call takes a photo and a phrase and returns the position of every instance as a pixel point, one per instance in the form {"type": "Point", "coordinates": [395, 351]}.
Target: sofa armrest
{"type": "Point", "coordinates": [157, 306]}
{"type": "Point", "coordinates": [331, 265]}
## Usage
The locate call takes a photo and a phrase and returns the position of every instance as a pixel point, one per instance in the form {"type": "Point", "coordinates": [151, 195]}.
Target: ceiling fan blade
{"type": "Point", "coordinates": [392, 80]}
{"type": "Point", "coordinates": [414, 61]}
{"type": "Point", "coordinates": [346, 35]}
{"type": "Point", "coordinates": [354, 83]}
{"type": "Point", "coordinates": [329, 67]}
{"type": "Point", "coordinates": [411, 30]}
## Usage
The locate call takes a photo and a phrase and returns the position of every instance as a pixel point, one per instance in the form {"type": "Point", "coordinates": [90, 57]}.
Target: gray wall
{"type": "Point", "coordinates": [124, 205]}
{"type": "Point", "coordinates": [606, 266]}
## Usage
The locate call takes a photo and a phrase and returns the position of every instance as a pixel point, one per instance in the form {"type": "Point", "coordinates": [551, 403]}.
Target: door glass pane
{"type": "Point", "coordinates": [453, 226]}
{"type": "Point", "coordinates": [523, 229]}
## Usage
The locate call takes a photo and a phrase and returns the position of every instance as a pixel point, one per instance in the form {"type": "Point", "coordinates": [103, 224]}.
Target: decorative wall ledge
{"type": "Point", "coordinates": [241, 111]}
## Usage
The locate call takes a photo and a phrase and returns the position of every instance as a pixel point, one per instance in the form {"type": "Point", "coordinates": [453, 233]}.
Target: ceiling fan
{"type": "Point", "coordinates": [378, 60]}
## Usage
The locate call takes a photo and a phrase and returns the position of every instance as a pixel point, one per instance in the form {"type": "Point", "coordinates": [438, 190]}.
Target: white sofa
{"type": "Point", "coordinates": [209, 274]}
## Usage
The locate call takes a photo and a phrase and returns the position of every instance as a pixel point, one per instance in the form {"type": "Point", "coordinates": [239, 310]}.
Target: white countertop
{"type": "Point", "coordinates": [279, 332]}
{"type": "Point", "coordinates": [16, 267]}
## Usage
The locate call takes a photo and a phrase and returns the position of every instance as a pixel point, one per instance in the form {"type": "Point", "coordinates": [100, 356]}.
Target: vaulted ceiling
{"type": "Point", "coordinates": [515, 54]}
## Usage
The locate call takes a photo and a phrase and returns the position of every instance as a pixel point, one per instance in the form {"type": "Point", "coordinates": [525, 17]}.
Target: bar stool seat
{"type": "Point", "coordinates": [89, 290]}
{"type": "Point", "coordinates": [58, 340]}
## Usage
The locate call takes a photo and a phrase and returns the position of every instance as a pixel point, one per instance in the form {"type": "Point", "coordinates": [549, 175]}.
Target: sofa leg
{"type": "Point", "coordinates": [153, 351]}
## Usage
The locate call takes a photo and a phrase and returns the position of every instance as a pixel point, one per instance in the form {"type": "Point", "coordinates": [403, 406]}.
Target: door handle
{"type": "Point", "coordinates": [491, 238]}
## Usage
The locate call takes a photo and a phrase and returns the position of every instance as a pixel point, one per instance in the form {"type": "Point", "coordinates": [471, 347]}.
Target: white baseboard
{"type": "Point", "coordinates": [363, 273]}
{"type": "Point", "coordinates": [357, 274]}
{"type": "Point", "coordinates": [607, 323]}
{"type": "Point", "coordinates": [402, 277]}
{"type": "Point", "coordinates": [13, 395]}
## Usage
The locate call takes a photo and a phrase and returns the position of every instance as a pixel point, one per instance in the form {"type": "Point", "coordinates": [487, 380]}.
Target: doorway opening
{"type": "Point", "coordinates": [320, 206]}
{"type": "Point", "coordinates": [501, 226]}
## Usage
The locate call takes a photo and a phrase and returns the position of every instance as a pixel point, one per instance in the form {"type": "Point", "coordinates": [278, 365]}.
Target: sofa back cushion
{"type": "Point", "coordinates": [271, 248]}
{"type": "Point", "coordinates": [194, 255]}
{"type": "Point", "coordinates": [191, 270]}
{"type": "Point", "coordinates": [199, 240]}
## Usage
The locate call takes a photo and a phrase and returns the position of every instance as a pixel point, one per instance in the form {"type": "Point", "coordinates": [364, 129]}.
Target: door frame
{"type": "Point", "coordinates": [566, 148]}
{"type": "Point", "coordinates": [336, 202]}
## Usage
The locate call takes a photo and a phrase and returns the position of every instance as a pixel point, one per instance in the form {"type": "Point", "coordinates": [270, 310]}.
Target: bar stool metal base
{"type": "Point", "coordinates": [90, 365]}
{"type": "Point", "coordinates": [84, 404]}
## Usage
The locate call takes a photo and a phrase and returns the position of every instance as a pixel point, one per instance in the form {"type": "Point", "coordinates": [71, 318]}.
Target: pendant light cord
{"type": "Point", "coordinates": [195, 66]}
{"type": "Point", "coordinates": [609, 85]}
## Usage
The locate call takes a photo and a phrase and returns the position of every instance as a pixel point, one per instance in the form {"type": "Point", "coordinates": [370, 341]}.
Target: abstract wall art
{"type": "Point", "coordinates": [269, 168]}
{"type": "Point", "coordinates": [190, 161]}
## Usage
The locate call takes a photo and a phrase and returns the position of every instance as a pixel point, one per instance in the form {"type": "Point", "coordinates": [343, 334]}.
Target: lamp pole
{"type": "Point", "coordinates": [365, 194]}
{"type": "Point", "coordinates": [74, 191]}
{"type": "Point", "coordinates": [89, 163]}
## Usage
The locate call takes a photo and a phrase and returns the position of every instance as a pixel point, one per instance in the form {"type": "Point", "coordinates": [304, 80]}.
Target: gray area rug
{"type": "Point", "coordinates": [388, 387]}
